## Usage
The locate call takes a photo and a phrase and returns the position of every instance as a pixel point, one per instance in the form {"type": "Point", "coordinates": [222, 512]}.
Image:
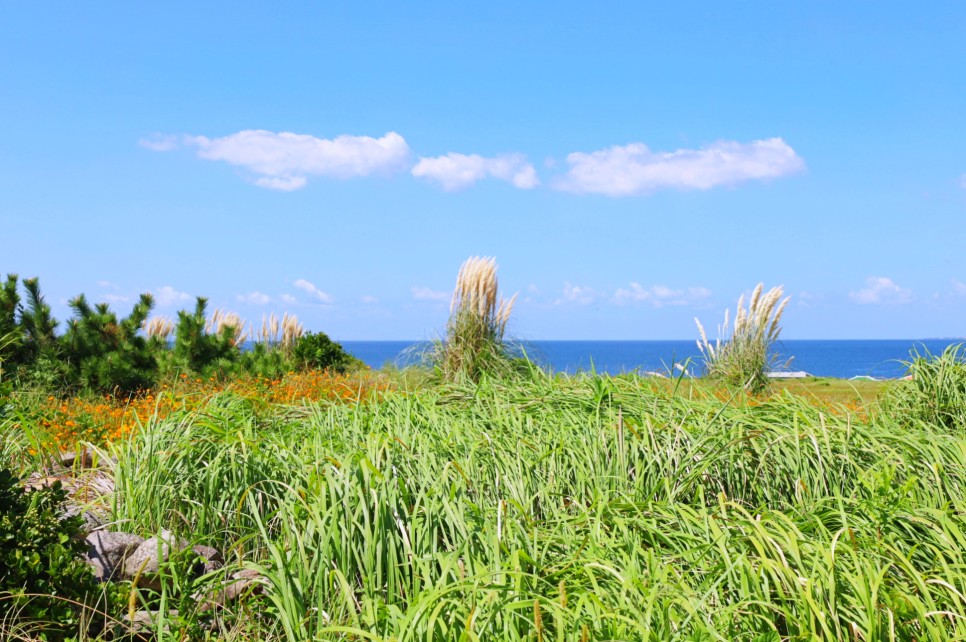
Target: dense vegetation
{"type": "Point", "coordinates": [488, 502]}
{"type": "Point", "coordinates": [556, 508]}
{"type": "Point", "coordinates": [100, 352]}
{"type": "Point", "coordinates": [44, 584]}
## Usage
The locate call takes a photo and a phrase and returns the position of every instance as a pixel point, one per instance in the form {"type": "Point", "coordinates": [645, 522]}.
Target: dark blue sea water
{"type": "Point", "coordinates": [843, 358]}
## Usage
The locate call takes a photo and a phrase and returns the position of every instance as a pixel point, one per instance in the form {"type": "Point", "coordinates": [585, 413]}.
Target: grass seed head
{"type": "Point", "coordinates": [159, 327]}
{"type": "Point", "coordinates": [478, 320]}
{"type": "Point", "coordinates": [740, 356]}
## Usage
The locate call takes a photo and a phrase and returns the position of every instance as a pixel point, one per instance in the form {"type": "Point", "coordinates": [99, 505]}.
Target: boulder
{"type": "Point", "coordinates": [94, 518]}
{"type": "Point", "coordinates": [211, 558]}
{"type": "Point", "coordinates": [144, 625]}
{"type": "Point", "coordinates": [244, 582]}
{"type": "Point", "coordinates": [145, 561]}
{"type": "Point", "coordinates": [109, 550]}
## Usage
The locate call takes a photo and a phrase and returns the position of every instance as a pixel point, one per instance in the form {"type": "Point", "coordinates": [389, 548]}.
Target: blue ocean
{"type": "Point", "coordinates": [881, 359]}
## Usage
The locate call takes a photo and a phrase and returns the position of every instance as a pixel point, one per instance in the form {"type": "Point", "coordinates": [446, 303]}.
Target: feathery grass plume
{"type": "Point", "coordinates": [741, 359]}
{"type": "Point", "coordinates": [292, 330]}
{"type": "Point", "coordinates": [269, 332]}
{"type": "Point", "coordinates": [159, 328]}
{"type": "Point", "coordinates": [474, 342]}
{"type": "Point", "coordinates": [220, 320]}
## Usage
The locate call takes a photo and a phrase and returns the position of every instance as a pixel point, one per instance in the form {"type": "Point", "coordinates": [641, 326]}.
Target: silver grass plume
{"type": "Point", "coordinates": [159, 328]}
{"type": "Point", "coordinates": [220, 320]}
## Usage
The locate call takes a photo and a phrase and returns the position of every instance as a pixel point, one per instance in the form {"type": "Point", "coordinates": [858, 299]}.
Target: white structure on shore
{"type": "Point", "coordinates": [797, 374]}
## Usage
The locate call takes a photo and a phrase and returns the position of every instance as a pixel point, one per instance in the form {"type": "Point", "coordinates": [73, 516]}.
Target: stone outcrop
{"type": "Point", "coordinates": [108, 551]}
{"type": "Point", "coordinates": [121, 556]}
{"type": "Point", "coordinates": [143, 564]}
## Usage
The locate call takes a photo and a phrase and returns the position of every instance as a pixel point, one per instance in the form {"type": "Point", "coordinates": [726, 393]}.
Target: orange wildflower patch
{"type": "Point", "coordinates": [106, 419]}
{"type": "Point", "coordinates": [315, 385]}
{"type": "Point", "coordinates": [101, 420]}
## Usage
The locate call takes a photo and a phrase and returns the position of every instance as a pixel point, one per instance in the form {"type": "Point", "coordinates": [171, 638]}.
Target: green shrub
{"type": "Point", "coordinates": [264, 361]}
{"type": "Point", "coordinates": [43, 579]}
{"type": "Point", "coordinates": [742, 359]}
{"type": "Point", "coordinates": [317, 350]}
{"type": "Point", "coordinates": [6, 390]}
{"type": "Point", "coordinates": [105, 354]}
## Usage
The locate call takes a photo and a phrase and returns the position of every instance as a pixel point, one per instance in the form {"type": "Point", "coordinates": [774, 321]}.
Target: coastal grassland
{"type": "Point", "coordinates": [822, 392]}
{"type": "Point", "coordinates": [855, 394]}
{"type": "Point", "coordinates": [560, 508]}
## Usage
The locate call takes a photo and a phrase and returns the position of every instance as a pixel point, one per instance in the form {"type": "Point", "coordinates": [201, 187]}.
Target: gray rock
{"type": "Point", "coordinates": [83, 459]}
{"type": "Point", "coordinates": [108, 551]}
{"type": "Point", "coordinates": [144, 625]}
{"type": "Point", "coordinates": [244, 582]}
{"type": "Point", "coordinates": [94, 518]}
{"type": "Point", "coordinates": [147, 558]}
{"type": "Point", "coordinates": [87, 494]}
{"type": "Point", "coordinates": [92, 521]}
{"type": "Point", "coordinates": [212, 558]}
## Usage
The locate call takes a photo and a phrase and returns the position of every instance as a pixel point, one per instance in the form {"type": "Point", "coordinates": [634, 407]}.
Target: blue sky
{"type": "Point", "coordinates": [630, 165]}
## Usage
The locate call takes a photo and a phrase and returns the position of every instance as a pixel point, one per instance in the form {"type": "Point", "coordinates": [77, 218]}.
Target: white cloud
{"type": "Point", "coordinates": [368, 300]}
{"type": "Point", "coordinates": [253, 298]}
{"type": "Point", "coordinates": [660, 295]}
{"type": "Point", "coordinates": [159, 143]}
{"type": "Point", "coordinates": [459, 171]}
{"type": "Point", "coordinates": [880, 289]}
{"type": "Point", "coordinates": [288, 298]}
{"type": "Point", "coordinates": [285, 184]}
{"type": "Point", "coordinates": [635, 169]}
{"type": "Point", "coordinates": [115, 298]}
{"type": "Point", "coordinates": [581, 295]}
{"type": "Point", "coordinates": [167, 295]}
{"type": "Point", "coordinates": [423, 293]}
{"type": "Point", "coordinates": [109, 285]}
{"type": "Point", "coordinates": [807, 299]}
{"type": "Point", "coordinates": [284, 160]}
{"type": "Point", "coordinates": [309, 287]}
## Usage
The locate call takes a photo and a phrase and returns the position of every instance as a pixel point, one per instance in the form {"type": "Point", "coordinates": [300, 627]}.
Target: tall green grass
{"type": "Point", "coordinates": [936, 392]}
{"type": "Point", "coordinates": [568, 509]}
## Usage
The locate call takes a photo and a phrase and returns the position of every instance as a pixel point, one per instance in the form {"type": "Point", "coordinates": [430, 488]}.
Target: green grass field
{"type": "Point", "coordinates": [822, 390]}
{"type": "Point", "coordinates": [585, 508]}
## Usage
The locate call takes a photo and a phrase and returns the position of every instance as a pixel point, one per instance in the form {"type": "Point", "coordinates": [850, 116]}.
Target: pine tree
{"type": "Point", "coordinates": [108, 355]}
{"type": "Point", "coordinates": [11, 335]}
{"type": "Point", "coordinates": [197, 351]}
